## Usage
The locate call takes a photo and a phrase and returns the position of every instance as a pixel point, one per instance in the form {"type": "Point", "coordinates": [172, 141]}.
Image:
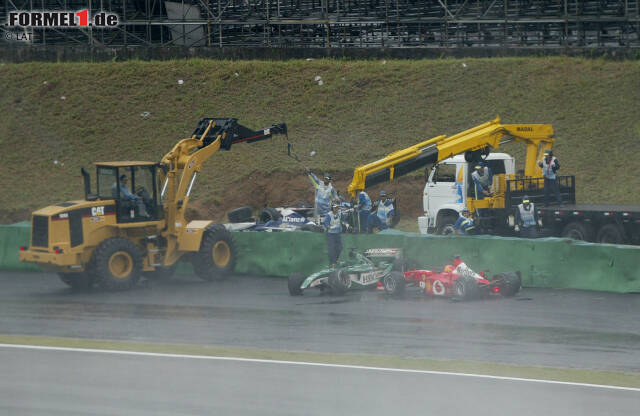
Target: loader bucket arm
{"type": "Point", "coordinates": [182, 164]}
{"type": "Point", "coordinates": [474, 143]}
{"type": "Point", "coordinates": [235, 133]}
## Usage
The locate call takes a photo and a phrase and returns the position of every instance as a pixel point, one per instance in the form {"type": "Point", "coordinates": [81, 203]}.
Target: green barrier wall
{"type": "Point", "coordinates": [549, 262]}
{"type": "Point", "coordinates": [11, 238]}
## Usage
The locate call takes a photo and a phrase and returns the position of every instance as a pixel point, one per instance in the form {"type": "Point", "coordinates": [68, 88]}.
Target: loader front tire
{"type": "Point", "coordinates": [116, 263]}
{"type": "Point", "coordinates": [216, 258]}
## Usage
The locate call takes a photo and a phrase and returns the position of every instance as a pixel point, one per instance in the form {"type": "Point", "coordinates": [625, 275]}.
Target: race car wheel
{"type": "Point", "coordinates": [268, 214]}
{"type": "Point", "coordinates": [216, 258]}
{"type": "Point", "coordinates": [465, 288]}
{"type": "Point", "coordinates": [339, 282]}
{"type": "Point", "coordinates": [511, 283]}
{"type": "Point", "coordinates": [242, 214]}
{"type": "Point", "coordinates": [295, 280]}
{"type": "Point", "coordinates": [394, 284]}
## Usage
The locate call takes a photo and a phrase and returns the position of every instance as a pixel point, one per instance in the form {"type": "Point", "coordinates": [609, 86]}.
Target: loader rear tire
{"type": "Point", "coordinates": [116, 263]}
{"type": "Point", "coordinates": [217, 256]}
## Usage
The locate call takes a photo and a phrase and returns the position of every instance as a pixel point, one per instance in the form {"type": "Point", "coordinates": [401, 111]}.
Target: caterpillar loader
{"type": "Point", "coordinates": [114, 236]}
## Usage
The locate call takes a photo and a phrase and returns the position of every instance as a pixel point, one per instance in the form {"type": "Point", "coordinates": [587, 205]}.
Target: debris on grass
{"type": "Point", "coordinates": [180, 82]}
{"type": "Point", "coordinates": [145, 114]}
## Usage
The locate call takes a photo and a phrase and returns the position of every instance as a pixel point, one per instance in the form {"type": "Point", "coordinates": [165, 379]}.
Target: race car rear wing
{"type": "Point", "coordinates": [395, 253]}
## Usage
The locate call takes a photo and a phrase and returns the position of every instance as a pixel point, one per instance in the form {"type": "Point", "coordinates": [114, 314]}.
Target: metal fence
{"type": "Point", "coordinates": [346, 23]}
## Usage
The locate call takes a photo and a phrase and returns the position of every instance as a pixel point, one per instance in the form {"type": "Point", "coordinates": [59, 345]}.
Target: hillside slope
{"type": "Point", "coordinates": [364, 110]}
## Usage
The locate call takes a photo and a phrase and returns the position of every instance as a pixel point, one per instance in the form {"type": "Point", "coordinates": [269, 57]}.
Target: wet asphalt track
{"type": "Point", "coordinates": [539, 327]}
{"type": "Point", "coordinates": [66, 383]}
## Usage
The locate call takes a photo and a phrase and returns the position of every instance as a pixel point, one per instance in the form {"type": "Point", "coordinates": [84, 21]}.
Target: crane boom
{"type": "Point", "coordinates": [474, 143]}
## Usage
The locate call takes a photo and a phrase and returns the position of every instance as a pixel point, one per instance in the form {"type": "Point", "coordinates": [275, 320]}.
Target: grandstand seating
{"type": "Point", "coordinates": [360, 23]}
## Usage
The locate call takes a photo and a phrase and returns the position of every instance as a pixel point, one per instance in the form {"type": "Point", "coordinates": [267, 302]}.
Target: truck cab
{"type": "Point", "coordinates": [449, 185]}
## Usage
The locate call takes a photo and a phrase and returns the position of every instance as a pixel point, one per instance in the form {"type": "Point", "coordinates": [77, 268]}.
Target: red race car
{"type": "Point", "coordinates": [456, 280]}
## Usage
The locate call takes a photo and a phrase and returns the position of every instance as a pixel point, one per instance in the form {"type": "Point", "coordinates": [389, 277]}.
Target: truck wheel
{"type": "Point", "coordinates": [242, 214]}
{"type": "Point", "coordinates": [445, 227]}
{"type": "Point", "coordinates": [161, 273]}
{"type": "Point", "coordinates": [394, 284]}
{"type": "Point", "coordinates": [610, 234]}
{"type": "Point", "coordinates": [216, 258]}
{"type": "Point", "coordinates": [339, 282]}
{"type": "Point", "coordinates": [117, 263]}
{"type": "Point", "coordinates": [511, 284]}
{"type": "Point", "coordinates": [465, 288]}
{"type": "Point", "coordinates": [578, 231]}
{"type": "Point", "coordinates": [295, 280]}
{"type": "Point", "coordinates": [268, 214]}
{"type": "Point", "coordinates": [77, 281]}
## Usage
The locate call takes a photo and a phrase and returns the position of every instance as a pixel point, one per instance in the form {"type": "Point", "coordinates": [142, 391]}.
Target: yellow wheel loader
{"type": "Point", "coordinates": [134, 223]}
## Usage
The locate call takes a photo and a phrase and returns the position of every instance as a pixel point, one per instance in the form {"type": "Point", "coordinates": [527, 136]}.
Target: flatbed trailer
{"type": "Point", "coordinates": [600, 223]}
{"type": "Point", "coordinates": [612, 224]}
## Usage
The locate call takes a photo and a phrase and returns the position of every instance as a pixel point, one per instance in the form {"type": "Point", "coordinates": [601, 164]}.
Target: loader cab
{"type": "Point", "coordinates": [133, 187]}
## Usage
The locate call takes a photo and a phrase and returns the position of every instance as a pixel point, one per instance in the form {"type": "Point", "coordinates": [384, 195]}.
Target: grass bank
{"type": "Point", "coordinates": [77, 113]}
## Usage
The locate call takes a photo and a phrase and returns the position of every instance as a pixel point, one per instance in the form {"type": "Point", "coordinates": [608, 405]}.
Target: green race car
{"type": "Point", "coordinates": [360, 271]}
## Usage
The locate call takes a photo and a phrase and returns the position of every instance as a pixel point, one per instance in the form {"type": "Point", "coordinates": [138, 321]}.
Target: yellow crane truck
{"type": "Point", "coordinates": [115, 235]}
{"type": "Point", "coordinates": [449, 188]}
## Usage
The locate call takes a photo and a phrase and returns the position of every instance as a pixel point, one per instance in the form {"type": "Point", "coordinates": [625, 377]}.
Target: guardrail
{"type": "Point", "coordinates": [548, 262]}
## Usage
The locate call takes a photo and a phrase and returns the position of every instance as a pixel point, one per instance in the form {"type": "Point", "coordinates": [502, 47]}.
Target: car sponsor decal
{"type": "Point", "coordinates": [369, 277]}
{"type": "Point", "coordinates": [438, 288]}
{"type": "Point", "coordinates": [293, 219]}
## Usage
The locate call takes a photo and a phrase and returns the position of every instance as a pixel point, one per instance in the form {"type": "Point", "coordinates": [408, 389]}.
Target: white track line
{"type": "Point", "coordinates": [309, 364]}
